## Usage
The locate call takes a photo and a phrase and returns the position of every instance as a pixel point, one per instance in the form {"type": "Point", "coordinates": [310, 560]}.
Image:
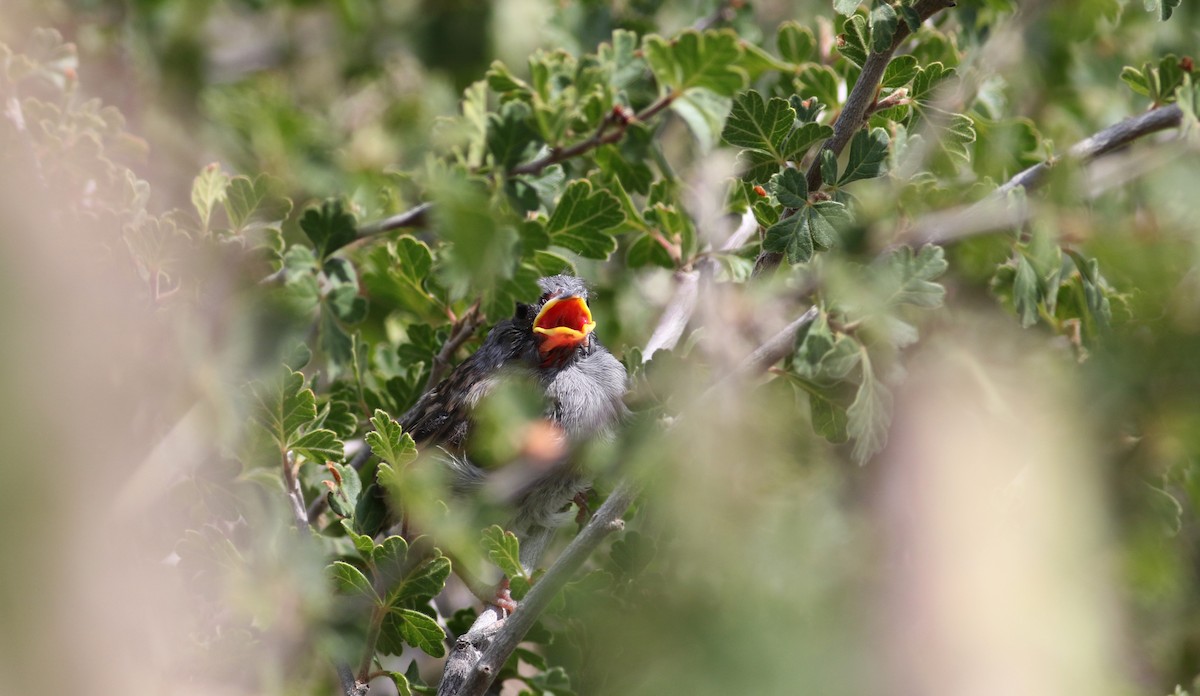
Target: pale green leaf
{"type": "Point", "coordinates": [350, 581]}
{"type": "Point", "coordinates": [389, 442]}
{"type": "Point", "coordinates": [504, 550]}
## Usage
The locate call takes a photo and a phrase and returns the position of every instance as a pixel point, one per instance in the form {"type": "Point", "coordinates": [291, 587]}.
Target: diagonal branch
{"type": "Point", "coordinates": [858, 107]}
{"type": "Point", "coordinates": [862, 95]}
{"type": "Point", "coordinates": [417, 216]}
{"type": "Point", "coordinates": [995, 212]}
{"type": "Point", "coordinates": [612, 129]}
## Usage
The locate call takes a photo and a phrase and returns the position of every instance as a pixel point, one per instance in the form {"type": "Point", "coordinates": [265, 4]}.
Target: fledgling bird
{"type": "Point", "coordinates": [552, 341]}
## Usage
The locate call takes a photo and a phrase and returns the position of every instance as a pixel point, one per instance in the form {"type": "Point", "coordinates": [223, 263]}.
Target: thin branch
{"type": "Point", "coordinates": [295, 496]}
{"type": "Point", "coordinates": [1107, 140]}
{"type": "Point", "coordinates": [611, 129]}
{"type": "Point", "coordinates": [725, 12]}
{"type": "Point", "coordinates": [996, 212]}
{"type": "Point", "coordinates": [676, 315]}
{"type": "Point", "coordinates": [476, 659]}
{"type": "Point", "coordinates": [414, 217]}
{"type": "Point", "coordinates": [775, 349]}
{"type": "Point", "coordinates": [460, 332]}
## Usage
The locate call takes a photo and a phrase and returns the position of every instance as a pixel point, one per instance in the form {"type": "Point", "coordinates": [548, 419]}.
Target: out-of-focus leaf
{"type": "Point", "coordinates": [794, 42]}
{"type": "Point", "coordinates": [328, 227]}
{"type": "Point", "coordinates": [208, 189]}
{"type": "Point", "coordinates": [869, 417]}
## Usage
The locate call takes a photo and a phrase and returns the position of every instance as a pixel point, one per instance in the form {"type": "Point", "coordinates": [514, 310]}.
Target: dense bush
{"type": "Point", "coordinates": [908, 294]}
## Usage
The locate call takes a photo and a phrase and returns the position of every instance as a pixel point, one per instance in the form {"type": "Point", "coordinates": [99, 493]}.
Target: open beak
{"type": "Point", "coordinates": [563, 321]}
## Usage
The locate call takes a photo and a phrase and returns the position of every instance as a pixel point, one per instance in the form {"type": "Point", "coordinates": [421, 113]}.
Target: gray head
{"type": "Point", "coordinates": [562, 286]}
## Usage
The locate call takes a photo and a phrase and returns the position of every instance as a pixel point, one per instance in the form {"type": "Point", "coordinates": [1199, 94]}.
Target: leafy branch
{"type": "Point", "coordinates": [612, 128]}
{"type": "Point", "coordinates": [862, 97]}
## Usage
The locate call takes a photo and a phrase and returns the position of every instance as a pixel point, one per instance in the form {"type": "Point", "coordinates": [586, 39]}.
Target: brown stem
{"type": "Point", "coordinates": [602, 136]}
{"type": "Point", "coordinates": [460, 332]}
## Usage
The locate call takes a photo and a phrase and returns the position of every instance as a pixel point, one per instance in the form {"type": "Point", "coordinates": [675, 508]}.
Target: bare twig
{"type": "Point", "coordinates": [996, 212]}
{"type": "Point", "coordinates": [414, 217]}
{"type": "Point", "coordinates": [295, 496]}
{"type": "Point", "coordinates": [460, 332]}
{"type": "Point", "coordinates": [724, 12]}
{"type": "Point", "coordinates": [611, 129]}
{"type": "Point", "coordinates": [1107, 140]}
{"type": "Point", "coordinates": [676, 315]}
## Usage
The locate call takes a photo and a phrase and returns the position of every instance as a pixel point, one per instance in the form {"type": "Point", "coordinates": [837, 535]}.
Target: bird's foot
{"type": "Point", "coordinates": [585, 513]}
{"type": "Point", "coordinates": [503, 599]}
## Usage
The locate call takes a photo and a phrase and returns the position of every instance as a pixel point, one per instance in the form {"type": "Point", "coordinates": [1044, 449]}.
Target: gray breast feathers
{"type": "Point", "coordinates": [586, 395]}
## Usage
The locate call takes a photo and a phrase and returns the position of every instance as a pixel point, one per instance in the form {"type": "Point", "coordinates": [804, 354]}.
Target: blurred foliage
{"type": "Point", "coordinates": [235, 159]}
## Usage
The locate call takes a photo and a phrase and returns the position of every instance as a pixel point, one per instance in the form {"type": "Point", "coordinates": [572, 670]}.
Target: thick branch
{"type": "Point", "coordinates": [611, 129]}
{"type": "Point", "coordinates": [996, 212]}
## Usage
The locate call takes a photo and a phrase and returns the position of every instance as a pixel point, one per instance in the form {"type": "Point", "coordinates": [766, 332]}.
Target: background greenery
{"type": "Point", "coordinates": [977, 468]}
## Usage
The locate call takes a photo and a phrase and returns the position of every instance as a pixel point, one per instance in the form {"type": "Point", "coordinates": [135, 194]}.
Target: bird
{"type": "Point", "coordinates": [552, 343]}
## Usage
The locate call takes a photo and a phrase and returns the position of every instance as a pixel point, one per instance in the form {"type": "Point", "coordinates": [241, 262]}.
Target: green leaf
{"type": "Point", "coordinates": [283, 406]}
{"type": "Point", "coordinates": [794, 42]}
{"type": "Point", "coordinates": [1025, 292]}
{"type": "Point", "coordinates": [868, 155]}
{"type": "Point", "coordinates": [362, 543]}
{"type": "Point", "coordinates": [419, 631]}
{"type": "Point", "coordinates": [696, 60]}
{"type": "Point", "coordinates": [1162, 8]}
{"type": "Point", "coordinates": [511, 136]}
{"type": "Point", "coordinates": [788, 237]}
{"type": "Point", "coordinates": [403, 688]}
{"type": "Point", "coordinates": [350, 581]}
{"type": "Point", "coordinates": [818, 82]}
{"type": "Point", "coordinates": [504, 550]}
{"type": "Point", "coordinates": [829, 166]}
{"type": "Point", "coordinates": [208, 189]}
{"type": "Point", "coordinates": [388, 558]}
{"type": "Point", "coordinates": [759, 125]}
{"type": "Point", "coordinates": [829, 418]}
{"type": "Point", "coordinates": [329, 227]}
{"type": "Point", "coordinates": [852, 42]}
{"type": "Point", "coordinates": [914, 275]}
{"type": "Point", "coordinates": [899, 72]}
{"type": "Point", "coordinates": [1136, 79]}
{"type": "Point", "coordinates": [319, 446]}
{"type": "Point", "coordinates": [582, 219]}
{"type": "Point", "coordinates": [250, 206]}
{"type": "Point", "coordinates": [883, 26]}
{"type": "Point", "coordinates": [704, 111]}
{"type": "Point", "coordinates": [790, 188]}
{"type": "Point", "coordinates": [424, 582]}
{"type": "Point", "coordinates": [389, 442]}
{"type": "Point", "coordinates": [845, 7]}
{"type": "Point", "coordinates": [927, 78]}
{"type": "Point", "coordinates": [870, 415]}
{"type": "Point", "coordinates": [911, 17]}
{"type": "Point", "coordinates": [343, 498]}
